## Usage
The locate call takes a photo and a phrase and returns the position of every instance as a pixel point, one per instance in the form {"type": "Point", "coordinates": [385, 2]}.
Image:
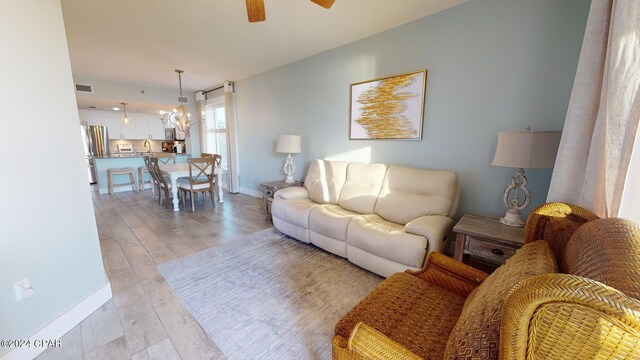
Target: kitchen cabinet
{"type": "Point", "coordinates": [156, 129]}
{"type": "Point", "coordinates": [129, 130]}
{"type": "Point", "coordinates": [113, 124]}
{"type": "Point", "coordinates": [88, 117]}
{"type": "Point", "coordinates": [141, 126]}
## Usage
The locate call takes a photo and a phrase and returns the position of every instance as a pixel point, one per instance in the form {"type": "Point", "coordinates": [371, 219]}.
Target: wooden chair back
{"type": "Point", "coordinates": [147, 162]}
{"type": "Point", "coordinates": [165, 158]}
{"type": "Point", "coordinates": [206, 155]}
{"type": "Point", "coordinates": [155, 171]}
{"type": "Point", "coordinates": [201, 171]}
{"type": "Point", "coordinates": [217, 160]}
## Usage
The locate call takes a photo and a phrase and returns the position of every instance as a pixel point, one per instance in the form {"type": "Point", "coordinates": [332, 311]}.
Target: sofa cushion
{"type": "Point", "coordinates": [409, 311]}
{"type": "Point", "coordinates": [362, 186]}
{"type": "Point", "coordinates": [408, 193]}
{"type": "Point", "coordinates": [386, 239]}
{"type": "Point", "coordinates": [331, 220]}
{"type": "Point", "coordinates": [293, 211]}
{"type": "Point", "coordinates": [607, 250]}
{"type": "Point", "coordinates": [476, 333]}
{"type": "Point", "coordinates": [325, 179]}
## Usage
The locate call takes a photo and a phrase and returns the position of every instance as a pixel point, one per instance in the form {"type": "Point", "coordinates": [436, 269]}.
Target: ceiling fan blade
{"type": "Point", "coordinates": [324, 3]}
{"type": "Point", "coordinates": [255, 10]}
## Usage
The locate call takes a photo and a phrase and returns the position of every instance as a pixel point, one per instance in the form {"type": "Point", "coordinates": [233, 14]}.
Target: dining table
{"type": "Point", "coordinates": [176, 171]}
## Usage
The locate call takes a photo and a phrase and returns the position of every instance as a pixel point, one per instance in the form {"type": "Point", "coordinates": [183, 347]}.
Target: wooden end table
{"type": "Point", "coordinates": [268, 189]}
{"type": "Point", "coordinates": [487, 239]}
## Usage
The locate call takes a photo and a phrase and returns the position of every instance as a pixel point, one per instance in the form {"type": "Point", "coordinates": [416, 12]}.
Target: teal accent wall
{"type": "Point", "coordinates": [493, 65]}
{"type": "Point", "coordinates": [102, 164]}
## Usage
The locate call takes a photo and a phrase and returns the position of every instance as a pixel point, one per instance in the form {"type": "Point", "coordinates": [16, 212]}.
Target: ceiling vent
{"type": "Point", "coordinates": [83, 88]}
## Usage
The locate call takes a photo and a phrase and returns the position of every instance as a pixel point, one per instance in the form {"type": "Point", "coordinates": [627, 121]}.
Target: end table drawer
{"type": "Point", "coordinates": [490, 251]}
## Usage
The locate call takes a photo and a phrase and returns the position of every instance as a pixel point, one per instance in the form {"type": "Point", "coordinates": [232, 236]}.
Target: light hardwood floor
{"type": "Point", "coordinates": [145, 319]}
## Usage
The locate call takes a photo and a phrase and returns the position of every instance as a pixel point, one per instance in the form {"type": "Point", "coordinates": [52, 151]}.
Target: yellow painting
{"type": "Point", "coordinates": [389, 108]}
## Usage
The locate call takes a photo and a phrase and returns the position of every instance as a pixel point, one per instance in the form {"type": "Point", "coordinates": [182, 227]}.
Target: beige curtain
{"type": "Point", "coordinates": [200, 107]}
{"type": "Point", "coordinates": [232, 137]}
{"type": "Point", "coordinates": [604, 110]}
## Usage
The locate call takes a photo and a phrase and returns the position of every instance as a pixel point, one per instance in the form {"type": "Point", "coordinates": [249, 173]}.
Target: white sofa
{"type": "Point", "coordinates": [384, 218]}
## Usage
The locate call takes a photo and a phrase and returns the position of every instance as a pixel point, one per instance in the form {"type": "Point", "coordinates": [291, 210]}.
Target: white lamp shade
{"type": "Point", "coordinates": [527, 149]}
{"type": "Point", "coordinates": [288, 144]}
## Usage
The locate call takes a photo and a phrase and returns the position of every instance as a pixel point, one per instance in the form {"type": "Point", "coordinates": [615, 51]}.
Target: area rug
{"type": "Point", "coordinates": [268, 296]}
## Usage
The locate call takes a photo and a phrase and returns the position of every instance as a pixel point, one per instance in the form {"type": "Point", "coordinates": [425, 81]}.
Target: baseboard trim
{"type": "Point", "coordinates": [250, 192]}
{"type": "Point", "coordinates": [62, 324]}
{"type": "Point", "coordinates": [120, 188]}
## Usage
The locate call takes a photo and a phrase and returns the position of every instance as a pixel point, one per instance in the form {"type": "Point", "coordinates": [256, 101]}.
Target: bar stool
{"type": "Point", "coordinates": [121, 171]}
{"type": "Point", "coordinates": [142, 170]}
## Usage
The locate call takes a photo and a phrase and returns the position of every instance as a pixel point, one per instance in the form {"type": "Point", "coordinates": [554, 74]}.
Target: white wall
{"type": "Point", "coordinates": [47, 225]}
{"type": "Point", "coordinates": [492, 65]}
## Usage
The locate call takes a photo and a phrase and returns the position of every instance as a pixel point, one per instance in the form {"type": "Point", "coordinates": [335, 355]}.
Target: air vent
{"type": "Point", "coordinates": [83, 88]}
{"type": "Point", "coordinates": [183, 99]}
{"type": "Point", "coordinates": [92, 107]}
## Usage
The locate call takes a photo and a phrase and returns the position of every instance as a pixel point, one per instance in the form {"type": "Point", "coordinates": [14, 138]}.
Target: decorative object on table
{"type": "Point", "coordinates": [523, 150]}
{"type": "Point", "coordinates": [125, 119]}
{"type": "Point", "coordinates": [256, 13]}
{"type": "Point", "coordinates": [288, 144]}
{"type": "Point", "coordinates": [300, 294]}
{"type": "Point", "coordinates": [388, 108]}
{"type": "Point", "coordinates": [487, 239]}
{"type": "Point", "coordinates": [270, 188]}
{"type": "Point", "coordinates": [180, 118]}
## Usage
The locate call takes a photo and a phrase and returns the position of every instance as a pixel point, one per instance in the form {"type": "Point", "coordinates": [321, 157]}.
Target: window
{"type": "Point", "coordinates": [216, 129]}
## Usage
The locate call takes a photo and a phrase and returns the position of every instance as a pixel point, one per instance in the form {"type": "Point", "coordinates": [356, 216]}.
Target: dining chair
{"type": "Point", "coordinates": [163, 185]}
{"type": "Point", "coordinates": [147, 168]}
{"type": "Point", "coordinates": [165, 158]}
{"type": "Point", "coordinates": [206, 155]}
{"type": "Point", "coordinates": [201, 180]}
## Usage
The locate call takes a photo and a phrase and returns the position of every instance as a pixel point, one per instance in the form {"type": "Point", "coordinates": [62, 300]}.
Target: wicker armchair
{"type": "Point", "coordinates": [526, 309]}
{"type": "Point", "coordinates": [556, 222]}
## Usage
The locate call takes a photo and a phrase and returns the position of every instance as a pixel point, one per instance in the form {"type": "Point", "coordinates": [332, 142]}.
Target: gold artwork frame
{"type": "Point", "coordinates": [389, 108]}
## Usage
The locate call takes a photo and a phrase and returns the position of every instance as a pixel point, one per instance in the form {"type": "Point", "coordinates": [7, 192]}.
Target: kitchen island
{"type": "Point", "coordinates": [119, 161]}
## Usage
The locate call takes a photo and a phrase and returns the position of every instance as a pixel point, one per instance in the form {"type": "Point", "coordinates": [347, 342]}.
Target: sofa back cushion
{"type": "Point", "coordinates": [606, 250]}
{"type": "Point", "coordinates": [476, 333]}
{"type": "Point", "coordinates": [325, 179]}
{"type": "Point", "coordinates": [361, 189]}
{"type": "Point", "coordinates": [408, 193]}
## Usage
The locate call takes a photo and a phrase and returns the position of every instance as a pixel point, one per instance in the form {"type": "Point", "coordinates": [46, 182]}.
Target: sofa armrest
{"type": "Point", "coordinates": [369, 343]}
{"type": "Point", "coordinates": [450, 274]}
{"type": "Point", "coordinates": [565, 316]}
{"type": "Point", "coordinates": [292, 193]}
{"type": "Point", "coordinates": [434, 227]}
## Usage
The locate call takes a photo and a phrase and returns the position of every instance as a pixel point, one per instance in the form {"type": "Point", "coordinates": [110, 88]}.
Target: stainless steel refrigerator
{"type": "Point", "coordinates": [96, 144]}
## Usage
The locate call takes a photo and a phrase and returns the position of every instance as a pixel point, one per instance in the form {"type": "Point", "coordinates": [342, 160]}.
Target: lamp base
{"type": "Point", "coordinates": [289, 169]}
{"type": "Point", "coordinates": [512, 218]}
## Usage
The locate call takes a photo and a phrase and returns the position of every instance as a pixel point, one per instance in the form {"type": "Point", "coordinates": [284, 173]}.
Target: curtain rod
{"type": "Point", "coordinates": [214, 89]}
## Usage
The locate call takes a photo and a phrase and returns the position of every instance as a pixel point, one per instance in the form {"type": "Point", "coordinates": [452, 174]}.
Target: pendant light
{"type": "Point", "coordinates": [125, 119]}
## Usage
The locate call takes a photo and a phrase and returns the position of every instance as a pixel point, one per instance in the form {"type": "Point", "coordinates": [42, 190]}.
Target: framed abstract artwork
{"type": "Point", "coordinates": [388, 108]}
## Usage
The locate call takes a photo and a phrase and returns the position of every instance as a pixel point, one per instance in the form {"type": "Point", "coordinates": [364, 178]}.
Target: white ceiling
{"type": "Point", "coordinates": [143, 41]}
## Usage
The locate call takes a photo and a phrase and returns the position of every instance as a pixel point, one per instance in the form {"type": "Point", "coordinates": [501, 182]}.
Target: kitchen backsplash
{"type": "Point", "coordinates": [138, 145]}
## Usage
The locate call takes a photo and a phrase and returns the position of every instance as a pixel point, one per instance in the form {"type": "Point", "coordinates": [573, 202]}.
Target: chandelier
{"type": "Point", "coordinates": [180, 118]}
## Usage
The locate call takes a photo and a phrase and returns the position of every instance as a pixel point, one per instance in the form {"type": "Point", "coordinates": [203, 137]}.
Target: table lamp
{"type": "Point", "coordinates": [288, 144]}
{"type": "Point", "coordinates": [523, 150]}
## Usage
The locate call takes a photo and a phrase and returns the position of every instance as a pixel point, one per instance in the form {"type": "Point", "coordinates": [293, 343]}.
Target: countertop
{"type": "Point", "coordinates": [129, 156]}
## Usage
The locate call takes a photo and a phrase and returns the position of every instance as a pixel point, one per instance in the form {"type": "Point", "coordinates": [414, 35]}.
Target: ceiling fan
{"type": "Point", "coordinates": [255, 8]}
